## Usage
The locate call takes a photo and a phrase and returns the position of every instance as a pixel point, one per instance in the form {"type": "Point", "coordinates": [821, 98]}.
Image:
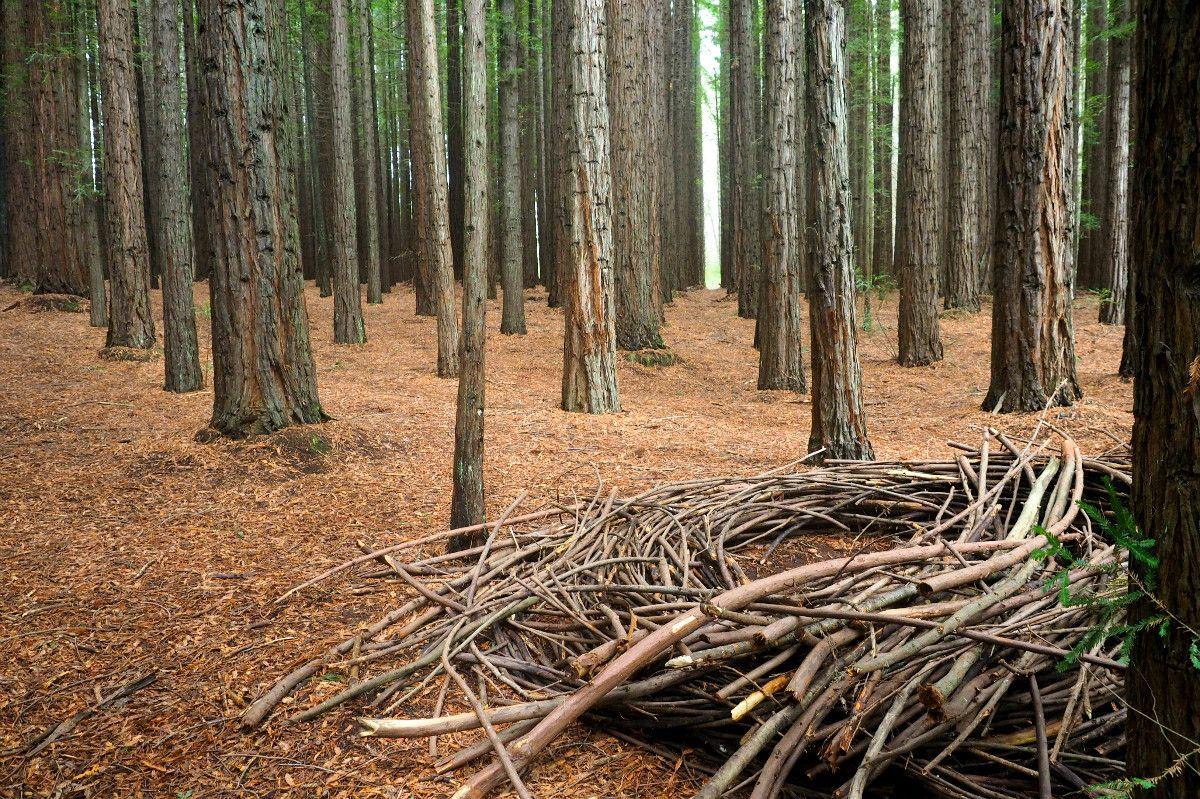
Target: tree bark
{"type": "Point", "coordinates": [838, 420]}
{"type": "Point", "coordinates": [454, 128]}
{"type": "Point", "coordinates": [745, 117]}
{"type": "Point", "coordinates": [882, 237]}
{"type": "Point", "coordinates": [529, 114]}
{"type": "Point", "coordinates": [512, 273]}
{"type": "Point", "coordinates": [89, 191]}
{"type": "Point", "coordinates": [1033, 348]}
{"type": "Point", "coordinates": [1113, 276]}
{"type": "Point", "coordinates": [859, 63]}
{"type": "Point", "coordinates": [560, 177]}
{"type": "Point", "coordinates": [589, 351]}
{"type": "Point", "coordinates": [20, 242]}
{"type": "Point", "coordinates": [970, 76]}
{"type": "Point", "coordinates": [131, 323]}
{"type": "Point", "coordinates": [169, 195]}
{"type": "Point", "coordinates": [688, 212]}
{"type": "Point", "coordinates": [1164, 720]}
{"type": "Point", "coordinates": [263, 373]}
{"type": "Point", "coordinates": [348, 325]}
{"type": "Point", "coordinates": [781, 362]}
{"type": "Point", "coordinates": [1095, 144]}
{"type": "Point", "coordinates": [467, 503]}
{"type": "Point", "coordinates": [919, 189]}
{"type": "Point", "coordinates": [635, 90]}
{"type": "Point", "coordinates": [429, 167]}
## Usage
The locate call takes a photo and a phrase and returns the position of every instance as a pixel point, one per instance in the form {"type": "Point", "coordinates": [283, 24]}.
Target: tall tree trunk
{"type": "Point", "coordinates": [1113, 277]}
{"type": "Point", "coordinates": [635, 89]}
{"type": "Point", "coordinates": [1164, 688]}
{"type": "Point", "coordinates": [1096, 146]}
{"type": "Point", "coordinates": [348, 325]}
{"type": "Point", "coordinates": [970, 78]}
{"type": "Point", "coordinates": [838, 419]}
{"type": "Point", "coordinates": [860, 63]}
{"type": "Point", "coordinates": [589, 351]}
{"type": "Point", "coordinates": [263, 373]}
{"type": "Point", "coordinates": [368, 135]}
{"type": "Point", "coordinates": [724, 151]}
{"type": "Point", "coordinates": [1033, 346]}
{"type": "Point", "coordinates": [530, 98]}
{"type": "Point", "coordinates": [781, 362]}
{"type": "Point", "coordinates": [429, 166]}
{"type": "Point", "coordinates": [546, 170]}
{"type": "Point", "coordinates": [467, 503]}
{"type": "Point", "coordinates": [454, 128]}
{"type": "Point", "coordinates": [560, 178]}
{"type": "Point", "coordinates": [321, 82]}
{"type": "Point", "coordinates": [85, 125]}
{"type": "Point", "coordinates": [131, 323]}
{"type": "Point", "coordinates": [169, 195]}
{"type": "Point", "coordinates": [745, 118]}
{"type": "Point", "coordinates": [688, 211]}
{"type": "Point", "coordinates": [919, 189]}
{"type": "Point", "coordinates": [20, 243]}
{"type": "Point", "coordinates": [512, 273]}
{"type": "Point", "coordinates": [882, 237]}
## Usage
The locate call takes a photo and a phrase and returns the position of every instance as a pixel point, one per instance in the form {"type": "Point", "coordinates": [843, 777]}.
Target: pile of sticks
{"type": "Point", "coordinates": [929, 651]}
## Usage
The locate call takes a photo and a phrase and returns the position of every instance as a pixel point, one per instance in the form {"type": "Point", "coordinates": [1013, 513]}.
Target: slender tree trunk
{"type": "Point", "coordinates": [89, 191]}
{"type": "Point", "coordinates": [429, 166]}
{"type": "Point", "coordinates": [348, 325]}
{"type": "Point", "coordinates": [838, 420]}
{"type": "Point", "coordinates": [546, 173]}
{"type": "Point", "coordinates": [454, 127]}
{"type": "Point", "coordinates": [530, 97]}
{"type": "Point", "coordinates": [859, 63]}
{"type": "Point", "coordinates": [745, 118]}
{"type": "Point", "coordinates": [368, 135]}
{"type": "Point", "coordinates": [263, 374]}
{"type": "Point", "coordinates": [688, 211]}
{"type": "Point", "coordinates": [131, 323]}
{"type": "Point", "coordinates": [1113, 277]}
{"type": "Point", "coordinates": [781, 362]}
{"type": "Point", "coordinates": [560, 177]}
{"type": "Point", "coordinates": [467, 504]}
{"type": "Point", "coordinates": [1096, 147]}
{"type": "Point", "coordinates": [1033, 348]}
{"type": "Point", "coordinates": [169, 195]}
{"type": "Point", "coordinates": [882, 237]}
{"type": "Point", "coordinates": [1163, 688]}
{"type": "Point", "coordinates": [919, 189]}
{"type": "Point", "coordinates": [512, 273]}
{"type": "Point", "coordinates": [20, 244]}
{"type": "Point", "coordinates": [725, 151]}
{"type": "Point", "coordinates": [635, 89]}
{"type": "Point", "coordinates": [589, 351]}
{"type": "Point", "coordinates": [970, 77]}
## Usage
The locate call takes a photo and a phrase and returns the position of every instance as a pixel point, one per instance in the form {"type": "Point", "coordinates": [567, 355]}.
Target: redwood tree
{"type": "Point", "coordinates": [838, 420]}
{"type": "Point", "coordinates": [467, 503]}
{"type": "Point", "coordinates": [1033, 343]}
{"type": "Point", "coordinates": [130, 321]}
{"type": "Point", "coordinates": [1095, 143]}
{"type": "Point", "coordinates": [1113, 262]}
{"type": "Point", "coordinates": [589, 346]}
{"type": "Point", "coordinates": [512, 275]}
{"type": "Point", "coordinates": [368, 138]}
{"type": "Point", "coordinates": [883, 235]}
{"type": "Point", "coordinates": [780, 364]}
{"type": "Point", "coordinates": [1163, 684]}
{"type": "Point", "coordinates": [744, 131]}
{"type": "Point", "coordinates": [919, 188]}
{"type": "Point", "coordinates": [167, 156]}
{"type": "Point", "coordinates": [263, 373]}
{"type": "Point", "coordinates": [348, 325]}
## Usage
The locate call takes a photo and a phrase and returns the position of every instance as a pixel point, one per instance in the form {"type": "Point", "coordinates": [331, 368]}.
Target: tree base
{"type": "Point", "coordinates": [117, 353]}
{"type": "Point", "coordinates": [653, 358]}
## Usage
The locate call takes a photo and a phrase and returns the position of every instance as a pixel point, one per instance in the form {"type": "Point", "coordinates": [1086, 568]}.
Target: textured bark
{"type": "Point", "coordinates": [838, 420]}
{"type": "Point", "coordinates": [919, 188]}
{"type": "Point", "coordinates": [1033, 348]}
{"type": "Point", "coordinates": [348, 325]}
{"type": "Point", "coordinates": [560, 177]}
{"type": "Point", "coordinates": [970, 78]}
{"type": "Point", "coordinates": [883, 235]}
{"type": "Point", "coordinates": [546, 173]}
{"type": "Point", "coordinates": [687, 215]}
{"type": "Point", "coordinates": [86, 126]}
{"type": "Point", "coordinates": [635, 88]}
{"type": "Point", "coordinates": [197, 169]}
{"type": "Point", "coordinates": [744, 119]}
{"type": "Point", "coordinates": [1164, 719]}
{"type": "Point", "coordinates": [1095, 144]}
{"type": "Point", "coordinates": [1113, 275]}
{"type": "Point", "coordinates": [130, 323]}
{"type": "Point", "coordinates": [263, 374]}
{"type": "Point", "coordinates": [429, 168]}
{"type": "Point", "coordinates": [860, 61]}
{"type": "Point", "coordinates": [20, 243]}
{"type": "Point", "coordinates": [529, 114]}
{"type": "Point", "coordinates": [589, 351]}
{"type": "Point", "coordinates": [467, 503]}
{"type": "Point", "coordinates": [167, 156]}
{"type": "Point", "coordinates": [725, 154]}
{"type": "Point", "coordinates": [512, 275]}
{"type": "Point", "coordinates": [780, 362]}
{"type": "Point", "coordinates": [368, 137]}
{"type": "Point", "coordinates": [321, 83]}
{"type": "Point", "coordinates": [454, 128]}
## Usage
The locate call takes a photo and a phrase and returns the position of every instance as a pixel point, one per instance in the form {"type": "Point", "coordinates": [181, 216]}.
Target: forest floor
{"type": "Point", "coordinates": [127, 548]}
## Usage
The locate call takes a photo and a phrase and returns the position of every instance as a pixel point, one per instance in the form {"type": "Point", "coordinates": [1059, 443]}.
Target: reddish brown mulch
{"type": "Point", "coordinates": [126, 547]}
